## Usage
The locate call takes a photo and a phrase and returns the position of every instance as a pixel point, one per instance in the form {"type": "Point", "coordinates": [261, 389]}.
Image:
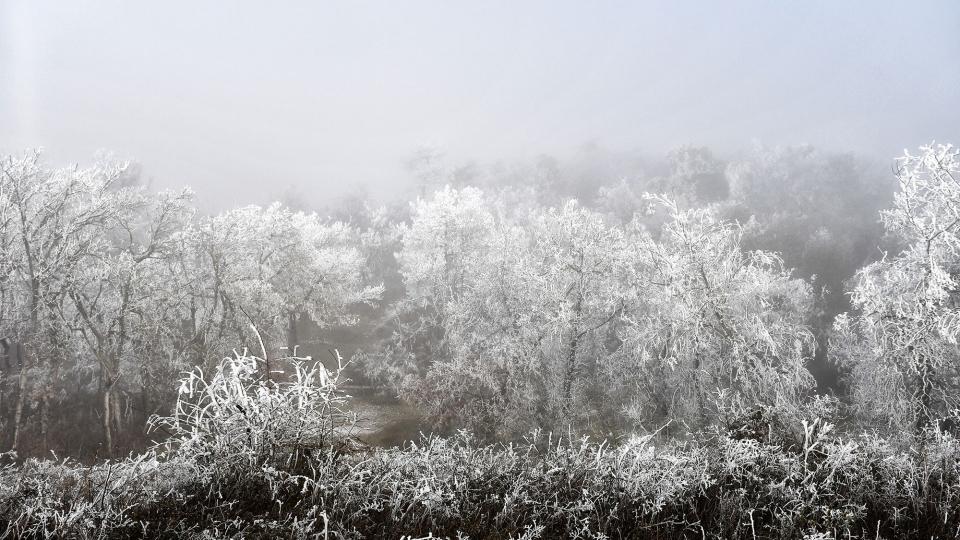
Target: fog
{"type": "Point", "coordinates": [244, 101]}
{"type": "Point", "coordinates": [479, 270]}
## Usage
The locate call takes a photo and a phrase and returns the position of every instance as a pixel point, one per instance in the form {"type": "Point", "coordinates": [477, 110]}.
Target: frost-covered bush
{"type": "Point", "coordinates": [242, 419]}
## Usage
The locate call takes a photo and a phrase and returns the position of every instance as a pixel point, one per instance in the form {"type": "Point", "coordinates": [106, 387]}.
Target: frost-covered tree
{"type": "Point", "coordinates": [705, 316]}
{"type": "Point", "coordinates": [267, 267]}
{"type": "Point", "coordinates": [900, 346]}
{"type": "Point", "coordinates": [449, 248]}
{"type": "Point", "coordinates": [506, 321]}
{"type": "Point", "coordinates": [576, 275]}
{"type": "Point", "coordinates": [120, 304]}
{"type": "Point", "coordinates": [54, 219]}
{"type": "Point", "coordinates": [443, 244]}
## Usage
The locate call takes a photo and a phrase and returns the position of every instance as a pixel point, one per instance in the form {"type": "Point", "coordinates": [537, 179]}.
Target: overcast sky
{"type": "Point", "coordinates": [241, 99]}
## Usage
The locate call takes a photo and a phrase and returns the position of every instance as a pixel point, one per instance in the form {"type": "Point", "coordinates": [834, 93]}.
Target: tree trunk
{"type": "Point", "coordinates": [144, 400]}
{"type": "Point", "coordinates": [21, 398]}
{"type": "Point", "coordinates": [575, 335]}
{"type": "Point", "coordinates": [923, 398]}
{"type": "Point", "coordinates": [292, 339]}
{"type": "Point", "coordinates": [108, 419]}
{"type": "Point", "coordinates": [570, 371]}
{"type": "Point", "coordinates": [45, 423]}
{"type": "Point", "coordinates": [118, 414]}
{"type": "Point", "coordinates": [571, 367]}
{"type": "Point", "coordinates": [267, 366]}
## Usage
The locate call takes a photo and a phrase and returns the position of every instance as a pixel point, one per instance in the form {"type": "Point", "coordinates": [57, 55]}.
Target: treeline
{"type": "Point", "coordinates": [506, 297]}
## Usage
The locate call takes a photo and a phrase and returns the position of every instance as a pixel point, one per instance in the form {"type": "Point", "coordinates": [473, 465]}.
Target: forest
{"type": "Point", "coordinates": [756, 345]}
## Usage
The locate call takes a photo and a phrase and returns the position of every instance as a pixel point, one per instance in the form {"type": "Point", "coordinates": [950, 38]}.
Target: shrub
{"type": "Point", "coordinates": [242, 420]}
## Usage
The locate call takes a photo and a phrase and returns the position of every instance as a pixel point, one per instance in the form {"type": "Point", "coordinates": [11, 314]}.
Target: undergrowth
{"type": "Point", "coordinates": [264, 457]}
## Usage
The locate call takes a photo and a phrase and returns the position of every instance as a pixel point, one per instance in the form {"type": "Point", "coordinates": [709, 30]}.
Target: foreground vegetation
{"type": "Point", "coordinates": [254, 458]}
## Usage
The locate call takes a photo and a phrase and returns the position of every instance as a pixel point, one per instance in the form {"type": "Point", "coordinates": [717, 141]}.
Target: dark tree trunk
{"type": "Point", "coordinates": [107, 419]}
{"type": "Point", "coordinates": [292, 338]}
{"type": "Point", "coordinates": [923, 398]}
{"type": "Point", "coordinates": [45, 423]}
{"type": "Point", "coordinates": [571, 360]}
{"type": "Point", "coordinates": [21, 398]}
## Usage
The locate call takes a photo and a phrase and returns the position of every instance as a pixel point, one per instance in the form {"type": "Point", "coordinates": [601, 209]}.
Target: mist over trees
{"type": "Point", "coordinates": [607, 292]}
{"type": "Point", "coordinates": [479, 271]}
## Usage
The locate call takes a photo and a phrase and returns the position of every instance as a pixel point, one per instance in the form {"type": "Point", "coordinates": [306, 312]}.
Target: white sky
{"type": "Point", "coordinates": [242, 99]}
